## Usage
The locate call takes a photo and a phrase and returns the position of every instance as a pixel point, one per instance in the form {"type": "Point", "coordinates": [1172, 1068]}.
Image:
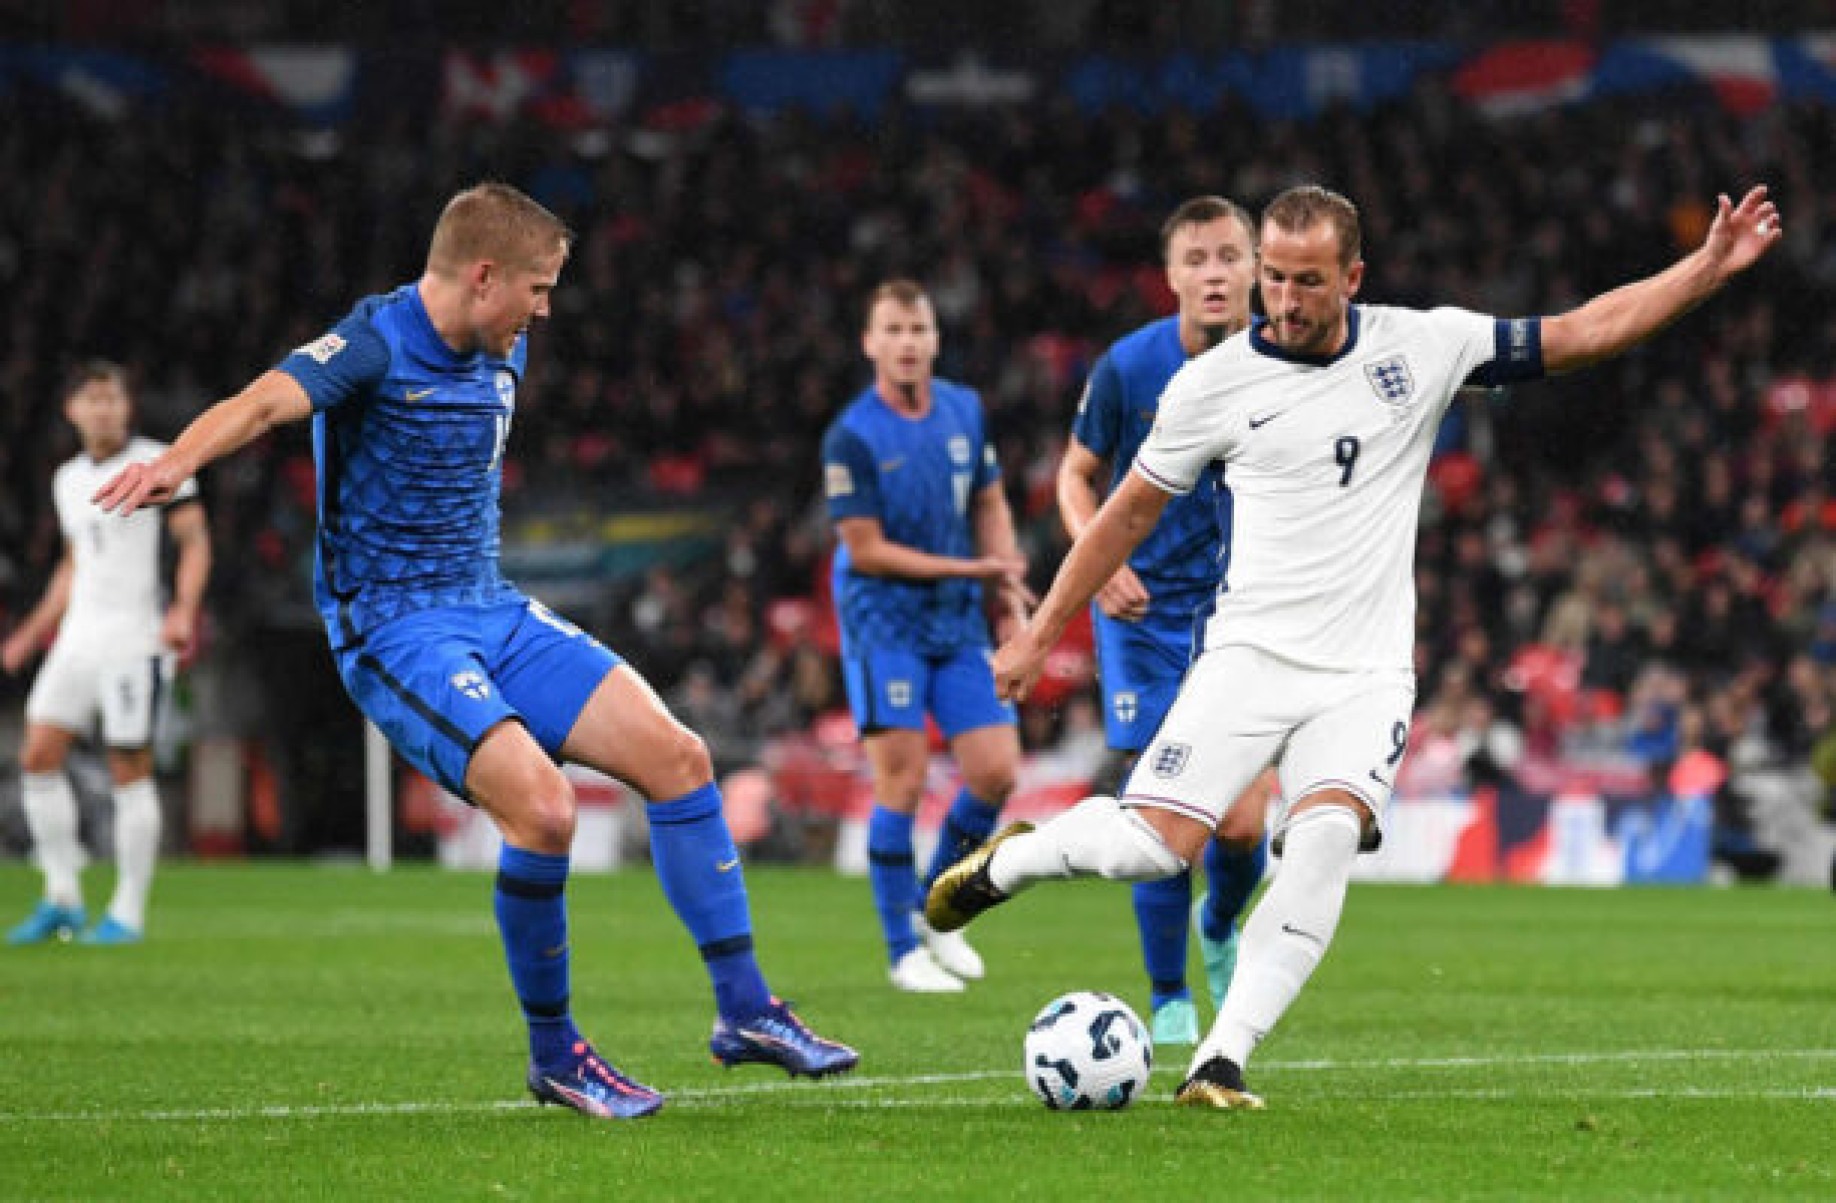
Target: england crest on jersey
{"type": "Point", "coordinates": [1391, 380]}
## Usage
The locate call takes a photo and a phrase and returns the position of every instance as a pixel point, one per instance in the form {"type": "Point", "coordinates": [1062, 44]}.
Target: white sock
{"type": "Point", "coordinates": [1288, 933]}
{"type": "Point", "coordinates": [51, 816]}
{"type": "Point", "coordinates": [137, 821]}
{"type": "Point", "coordinates": [1098, 837]}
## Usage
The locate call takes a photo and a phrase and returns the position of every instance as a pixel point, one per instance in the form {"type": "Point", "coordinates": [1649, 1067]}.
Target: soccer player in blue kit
{"type": "Point", "coordinates": [915, 493]}
{"type": "Point", "coordinates": [1144, 615]}
{"type": "Point", "coordinates": [411, 398]}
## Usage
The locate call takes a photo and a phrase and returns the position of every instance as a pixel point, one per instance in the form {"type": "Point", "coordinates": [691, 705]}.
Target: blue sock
{"type": "Point", "coordinates": [892, 872]}
{"type": "Point", "coordinates": [967, 827]}
{"type": "Point", "coordinates": [1231, 876]}
{"type": "Point", "coordinates": [531, 905]}
{"type": "Point", "coordinates": [1162, 910]}
{"type": "Point", "coordinates": [699, 869]}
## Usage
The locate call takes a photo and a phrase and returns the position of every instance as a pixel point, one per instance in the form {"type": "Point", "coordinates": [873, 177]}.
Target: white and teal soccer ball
{"type": "Point", "coordinates": [1087, 1051]}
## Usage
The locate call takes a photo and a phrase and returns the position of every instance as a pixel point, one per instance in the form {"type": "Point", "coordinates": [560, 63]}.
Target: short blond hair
{"type": "Point", "coordinates": [901, 291]}
{"type": "Point", "coordinates": [495, 221]}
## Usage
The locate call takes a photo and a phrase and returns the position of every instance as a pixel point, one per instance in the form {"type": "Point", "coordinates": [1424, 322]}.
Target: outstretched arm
{"type": "Point", "coordinates": [1118, 528]}
{"type": "Point", "coordinates": [1616, 321]}
{"type": "Point", "coordinates": [273, 399]}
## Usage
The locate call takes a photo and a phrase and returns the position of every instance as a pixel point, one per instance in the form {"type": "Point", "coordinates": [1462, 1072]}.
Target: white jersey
{"type": "Point", "coordinates": [115, 592]}
{"type": "Point", "coordinates": [1324, 458]}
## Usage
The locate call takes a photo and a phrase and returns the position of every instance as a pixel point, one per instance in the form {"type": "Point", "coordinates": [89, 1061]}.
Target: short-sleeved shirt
{"type": "Point", "coordinates": [1325, 458]}
{"type": "Point", "coordinates": [1178, 562]}
{"type": "Point", "coordinates": [919, 478]}
{"type": "Point", "coordinates": [408, 436]}
{"type": "Point", "coordinates": [115, 593]}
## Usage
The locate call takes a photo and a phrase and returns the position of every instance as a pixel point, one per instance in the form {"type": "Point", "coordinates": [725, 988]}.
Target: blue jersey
{"type": "Point", "coordinates": [919, 477]}
{"type": "Point", "coordinates": [1178, 561]}
{"type": "Point", "coordinates": [408, 436]}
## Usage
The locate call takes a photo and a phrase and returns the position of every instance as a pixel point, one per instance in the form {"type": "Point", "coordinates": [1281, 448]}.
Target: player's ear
{"type": "Point", "coordinates": [1354, 277]}
{"type": "Point", "coordinates": [482, 273]}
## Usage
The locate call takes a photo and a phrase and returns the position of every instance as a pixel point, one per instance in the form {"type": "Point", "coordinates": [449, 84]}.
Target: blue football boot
{"type": "Point", "coordinates": [1175, 1022]}
{"type": "Point", "coordinates": [775, 1036]}
{"type": "Point", "coordinates": [110, 931]}
{"type": "Point", "coordinates": [584, 1081]}
{"type": "Point", "coordinates": [48, 922]}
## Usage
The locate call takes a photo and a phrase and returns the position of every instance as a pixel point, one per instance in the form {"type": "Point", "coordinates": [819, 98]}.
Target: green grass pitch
{"type": "Point", "coordinates": [294, 1032]}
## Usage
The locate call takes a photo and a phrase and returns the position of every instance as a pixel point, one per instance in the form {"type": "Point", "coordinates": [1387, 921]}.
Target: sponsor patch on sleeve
{"type": "Point", "coordinates": [320, 350]}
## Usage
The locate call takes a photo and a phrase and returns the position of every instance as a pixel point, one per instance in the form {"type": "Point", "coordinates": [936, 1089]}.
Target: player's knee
{"type": "Point", "coordinates": [43, 750]}
{"type": "Point", "coordinates": [1241, 829]}
{"type": "Point", "coordinates": [547, 817]}
{"type": "Point", "coordinates": [39, 760]}
{"type": "Point", "coordinates": [991, 783]}
{"type": "Point", "coordinates": [681, 764]}
{"type": "Point", "coordinates": [127, 767]}
{"type": "Point", "coordinates": [535, 809]}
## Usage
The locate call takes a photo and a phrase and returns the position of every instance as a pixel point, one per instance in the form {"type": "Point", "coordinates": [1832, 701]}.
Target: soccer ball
{"type": "Point", "coordinates": [1087, 1051]}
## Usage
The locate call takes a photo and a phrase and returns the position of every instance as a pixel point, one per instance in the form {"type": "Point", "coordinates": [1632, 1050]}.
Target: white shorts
{"type": "Point", "coordinates": [1241, 709]}
{"type": "Point", "coordinates": [81, 680]}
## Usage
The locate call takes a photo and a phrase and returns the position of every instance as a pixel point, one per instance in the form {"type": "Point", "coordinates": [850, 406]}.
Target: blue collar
{"type": "Point", "coordinates": [1265, 347]}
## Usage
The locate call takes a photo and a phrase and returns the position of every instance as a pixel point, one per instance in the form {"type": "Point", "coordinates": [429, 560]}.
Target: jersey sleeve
{"type": "Point", "coordinates": [340, 364]}
{"type": "Point", "coordinates": [850, 480]}
{"type": "Point", "coordinates": [1186, 436]}
{"type": "Point", "coordinates": [1501, 350]}
{"type": "Point", "coordinates": [988, 466]}
{"type": "Point", "coordinates": [1098, 425]}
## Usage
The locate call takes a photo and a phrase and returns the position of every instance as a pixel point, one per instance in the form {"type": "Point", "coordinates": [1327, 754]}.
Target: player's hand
{"type": "Point", "coordinates": [179, 631]}
{"type": "Point", "coordinates": [1017, 665]}
{"type": "Point", "coordinates": [996, 569]}
{"type": "Point", "coordinates": [137, 486]}
{"type": "Point", "coordinates": [1124, 597]}
{"type": "Point", "coordinates": [1741, 233]}
{"type": "Point", "coordinates": [17, 651]}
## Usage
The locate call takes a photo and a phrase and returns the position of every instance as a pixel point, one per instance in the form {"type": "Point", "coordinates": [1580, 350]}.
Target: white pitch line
{"type": "Point", "coordinates": [823, 1094]}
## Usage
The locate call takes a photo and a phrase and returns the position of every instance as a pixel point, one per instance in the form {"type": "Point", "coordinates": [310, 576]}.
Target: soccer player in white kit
{"type": "Point", "coordinates": [1323, 416]}
{"type": "Point", "coordinates": [115, 651]}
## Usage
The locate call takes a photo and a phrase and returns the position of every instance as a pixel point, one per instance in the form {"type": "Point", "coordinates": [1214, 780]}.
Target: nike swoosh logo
{"type": "Point", "coordinates": [1265, 419]}
{"type": "Point", "coordinates": [726, 866]}
{"type": "Point", "coordinates": [417, 394]}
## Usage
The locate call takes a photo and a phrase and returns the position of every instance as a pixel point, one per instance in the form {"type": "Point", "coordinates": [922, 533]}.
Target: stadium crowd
{"type": "Point", "coordinates": [1629, 566]}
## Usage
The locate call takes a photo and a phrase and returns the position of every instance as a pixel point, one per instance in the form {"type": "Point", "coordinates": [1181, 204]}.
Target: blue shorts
{"type": "Point", "coordinates": [436, 681]}
{"type": "Point", "coordinates": [1139, 665]}
{"type": "Point", "coordinates": [893, 689]}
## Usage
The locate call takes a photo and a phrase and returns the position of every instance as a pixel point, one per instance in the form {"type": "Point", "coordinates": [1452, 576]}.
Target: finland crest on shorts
{"type": "Point", "coordinates": [1127, 705]}
{"type": "Point", "coordinates": [472, 684]}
